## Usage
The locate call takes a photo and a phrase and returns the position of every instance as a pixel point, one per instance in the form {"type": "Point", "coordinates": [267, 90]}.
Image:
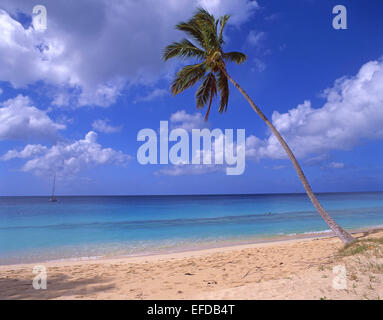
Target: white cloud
{"type": "Point", "coordinates": [19, 120]}
{"type": "Point", "coordinates": [352, 113]}
{"type": "Point", "coordinates": [121, 43]}
{"type": "Point", "coordinates": [336, 165]}
{"type": "Point", "coordinates": [101, 95]}
{"type": "Point", "coordinates": [260, 66]}
{"type": "Point", "coordinates": [61, 100]}
{"type": "Point", "coordinates": [317, 160]}
{"type": "Point", "coordinates": [272, 17]}
{"type": "Point", "coordinates": [254, 38]}
{"type": "Point", "coordinates": [31, 150]}
{"type": "Point", "coordinates": [240, 10]}
{"type": "Point", "coordinates": [189, 170]}
{"type": "Point", "coordinates": [216, 152]}
{"type": "Point", "coordinates": [187, 121]}
{"type": "Point", "coordinates": [278, 167]}
{"type": "Point", "coordinates": [103, 126]}
{"type": "Point", "coordinates": [184, 120]}
{"type": "Point", "coordinates": [156, 93]}
{"type": "Point", "coordinates": [66, 160]}
{"type": "Point", "coordinates": [26, 57]}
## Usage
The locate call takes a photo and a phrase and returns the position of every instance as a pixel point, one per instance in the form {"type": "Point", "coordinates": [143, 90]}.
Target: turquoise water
{"type": "Point", "coordinates": [33, 229]}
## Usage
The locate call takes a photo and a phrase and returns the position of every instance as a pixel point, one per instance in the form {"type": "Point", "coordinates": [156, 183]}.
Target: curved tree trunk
{"type": "Point", "coordinates": [336, 228]}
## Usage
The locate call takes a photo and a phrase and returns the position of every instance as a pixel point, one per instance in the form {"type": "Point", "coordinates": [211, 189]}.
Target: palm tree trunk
{"type": "Point", "coordinates": [336, 228]}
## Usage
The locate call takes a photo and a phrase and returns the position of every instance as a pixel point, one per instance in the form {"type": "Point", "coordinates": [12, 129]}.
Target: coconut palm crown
{"type": "Point", "coordinates": [207, 34]}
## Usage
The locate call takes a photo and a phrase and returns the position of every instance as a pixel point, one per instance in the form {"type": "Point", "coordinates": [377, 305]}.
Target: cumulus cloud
{"type": "Point", "coordinates": [187, 169]}
{"type": "Point", "coordinates": [30, 151]}
{"type": "Point", "coordinates": [20, 120]}
{"type": "Point", "coordinates": [254, 38]}
{"type": "Point", "coordinates": [61, 100]}
{"type": "Point", "coordinates": [100, 57]}
{"type": "Point", "coordinates": [352, 113]}
{"type": "Point", "coordinates": [156, 93]}
{"type": "Point", "coordinates": [217, 152]}
{"type": "Point", "coordinates": [240, 10]}
{"type": "Point", "coordinates": [183, 120]}
{"type": "Point", "coordinates": [105, 127]}
{"type": "Point", "coordinates": [67, 160]}
{"type": "Point", "coordinates": [23, 55]}
{"type": "Point", "coordinates": [187, 121]}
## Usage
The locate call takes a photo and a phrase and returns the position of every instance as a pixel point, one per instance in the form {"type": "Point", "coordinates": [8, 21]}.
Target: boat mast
{"type": "Point", "coordinates": [54, 186]}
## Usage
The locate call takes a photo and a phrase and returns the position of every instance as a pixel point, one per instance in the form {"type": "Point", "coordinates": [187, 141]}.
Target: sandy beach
{"type": "Point", "coordinates": [293, 269]}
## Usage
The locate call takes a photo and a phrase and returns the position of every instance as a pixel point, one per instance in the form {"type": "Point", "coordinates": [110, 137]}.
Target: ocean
{"type": "Point", "coordinates": [87, 227]}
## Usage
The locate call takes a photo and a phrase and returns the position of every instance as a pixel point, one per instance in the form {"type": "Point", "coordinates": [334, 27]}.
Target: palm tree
{"type": "Point", "coordinates": [207, 34]}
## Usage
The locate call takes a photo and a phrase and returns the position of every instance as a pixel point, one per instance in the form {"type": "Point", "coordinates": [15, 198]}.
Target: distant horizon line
{"type": "Point", "coordinates": [192, 194]}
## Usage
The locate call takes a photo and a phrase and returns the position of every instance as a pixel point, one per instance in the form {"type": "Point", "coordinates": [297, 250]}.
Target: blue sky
{"type": "Point", "coordinates": [76, 95]}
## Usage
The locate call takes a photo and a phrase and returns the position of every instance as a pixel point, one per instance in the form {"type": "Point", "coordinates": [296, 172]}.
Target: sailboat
{"type": "Point", "coordinates": [53, 198]}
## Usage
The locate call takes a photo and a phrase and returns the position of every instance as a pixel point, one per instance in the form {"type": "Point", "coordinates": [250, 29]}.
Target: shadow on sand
{"type": "Point", "coordinates": [60, 286]}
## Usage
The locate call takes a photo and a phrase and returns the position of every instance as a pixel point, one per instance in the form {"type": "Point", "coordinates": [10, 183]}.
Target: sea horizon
{"type": "Point", "coordinates": [189, 194]}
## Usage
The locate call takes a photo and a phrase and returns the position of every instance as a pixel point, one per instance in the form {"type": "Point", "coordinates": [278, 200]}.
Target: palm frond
{"type": "Point", "coordinates": [208, 27]}
{"type": "Point", "coordinates": [183, 49]}
{"type": "Point", "coordinates": [187, 77]}
{"type": "Point", "coordinates": [237, 57]}
{"type": "Point", "coordinates": [192, 29]}
{"type": "Point", "coordinates": [206, 93]}
{"type": "Point", "coordinates": [223, 88]}
{"type": "Point", "coordinates": [207, 90]}
{"type": "Point", "coordinates": [222, 22]}
{"type": "Point", "coordinates": [204, 16]}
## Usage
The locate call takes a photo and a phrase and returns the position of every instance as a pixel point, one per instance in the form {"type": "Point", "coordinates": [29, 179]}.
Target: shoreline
{"type": "Point", "coordinates": [291, 269]}
{"type": "Point", "coordinates": [198, 251]}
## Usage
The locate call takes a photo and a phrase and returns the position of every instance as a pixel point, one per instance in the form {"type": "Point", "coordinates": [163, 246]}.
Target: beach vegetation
{"type": "Point", "coordinates": [363, 246]}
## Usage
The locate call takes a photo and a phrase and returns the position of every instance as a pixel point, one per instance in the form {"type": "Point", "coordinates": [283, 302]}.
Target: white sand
{"type": "Point", "coordinates": [296, 269]}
